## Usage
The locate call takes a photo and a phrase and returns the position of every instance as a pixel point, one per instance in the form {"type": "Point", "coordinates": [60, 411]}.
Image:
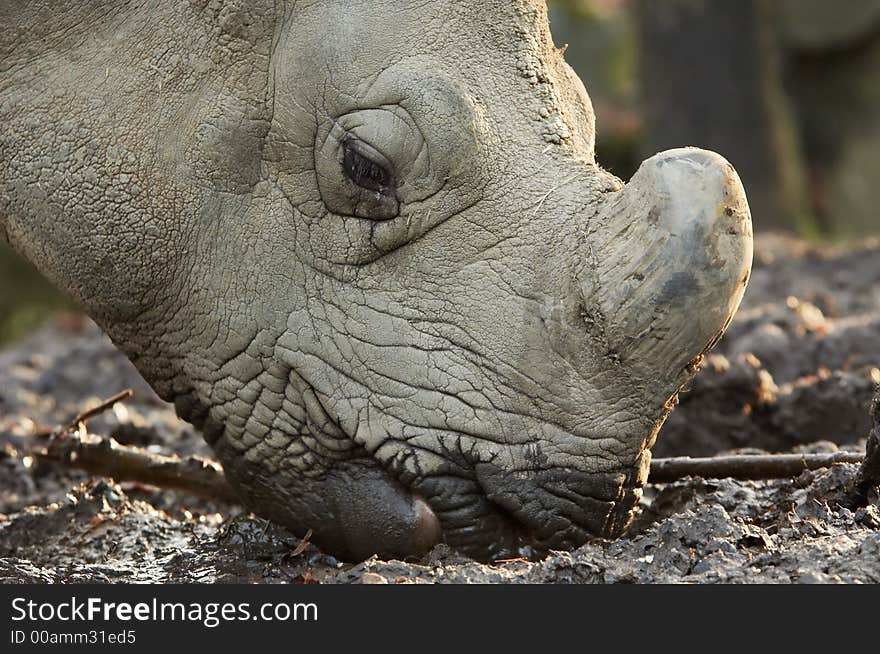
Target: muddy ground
{"type": "Point", "coordinates": [796, 372]}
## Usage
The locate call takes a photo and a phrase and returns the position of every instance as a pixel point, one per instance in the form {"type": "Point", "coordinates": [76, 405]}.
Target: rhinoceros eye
{"type": "Point", "coordinates": [364, 171]}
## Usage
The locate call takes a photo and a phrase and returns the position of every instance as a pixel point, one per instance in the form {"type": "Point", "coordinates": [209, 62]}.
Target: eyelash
{"type": "Point", "coordinates": [363, 171]}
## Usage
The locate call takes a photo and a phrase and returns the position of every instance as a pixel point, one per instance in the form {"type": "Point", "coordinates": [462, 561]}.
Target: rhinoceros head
{"type": "Point", "coordinates": [366, 247]}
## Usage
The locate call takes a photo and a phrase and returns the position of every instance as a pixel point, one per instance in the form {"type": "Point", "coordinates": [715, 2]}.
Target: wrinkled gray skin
{"type": "Point", "coordinates": [478, 347]}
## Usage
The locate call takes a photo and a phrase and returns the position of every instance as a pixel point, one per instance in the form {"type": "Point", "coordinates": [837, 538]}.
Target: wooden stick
{"type": "Point", "coordinates": [106, 457]}
{"type": "Point", "coordinates": [745, 466]}
{"type": "Point", "coordinates": [84, 416]}
{"type": "Point", "coordinates": [73, 447]}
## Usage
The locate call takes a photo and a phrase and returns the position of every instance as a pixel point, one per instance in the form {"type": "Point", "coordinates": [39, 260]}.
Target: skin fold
{"type": "Point", "coordinates": [365, 247]}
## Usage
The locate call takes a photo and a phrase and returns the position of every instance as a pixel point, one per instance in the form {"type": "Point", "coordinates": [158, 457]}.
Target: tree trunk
{"type": "Point", "coordinates": [710, 77]}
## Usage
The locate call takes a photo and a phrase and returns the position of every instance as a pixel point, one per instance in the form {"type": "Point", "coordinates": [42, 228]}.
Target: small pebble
{"type": "Point", "coordinates": [373, 578]}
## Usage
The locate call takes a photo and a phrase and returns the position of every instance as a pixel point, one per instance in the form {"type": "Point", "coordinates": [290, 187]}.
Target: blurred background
{"type": "Point", "coordinates": [787, 90]}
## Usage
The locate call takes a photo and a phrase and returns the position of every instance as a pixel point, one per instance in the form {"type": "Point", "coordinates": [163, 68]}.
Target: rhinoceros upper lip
{"type": "Point", "coordinates": [487, 521]}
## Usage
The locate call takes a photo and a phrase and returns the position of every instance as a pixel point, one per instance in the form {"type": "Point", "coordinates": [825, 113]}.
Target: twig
{"type": "Point", "coordinates": [303, 544]}
{"type": "Point", "coordinates": [72, 446]}
{"type": "Point", "coordinates": [746, 466]}
{"type": "Point", "coordinates": [84, 416]}
{"type": "Point", "coordinates": [106, 457]}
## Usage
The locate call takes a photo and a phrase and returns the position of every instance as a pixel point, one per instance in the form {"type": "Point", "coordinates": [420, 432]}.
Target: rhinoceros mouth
{"type": "Point", "coordinates": [500, 515]}
{"type": "Point", "coordinates": [484, 512]}
{"type": "Point", "coordinates": [488, 512]}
